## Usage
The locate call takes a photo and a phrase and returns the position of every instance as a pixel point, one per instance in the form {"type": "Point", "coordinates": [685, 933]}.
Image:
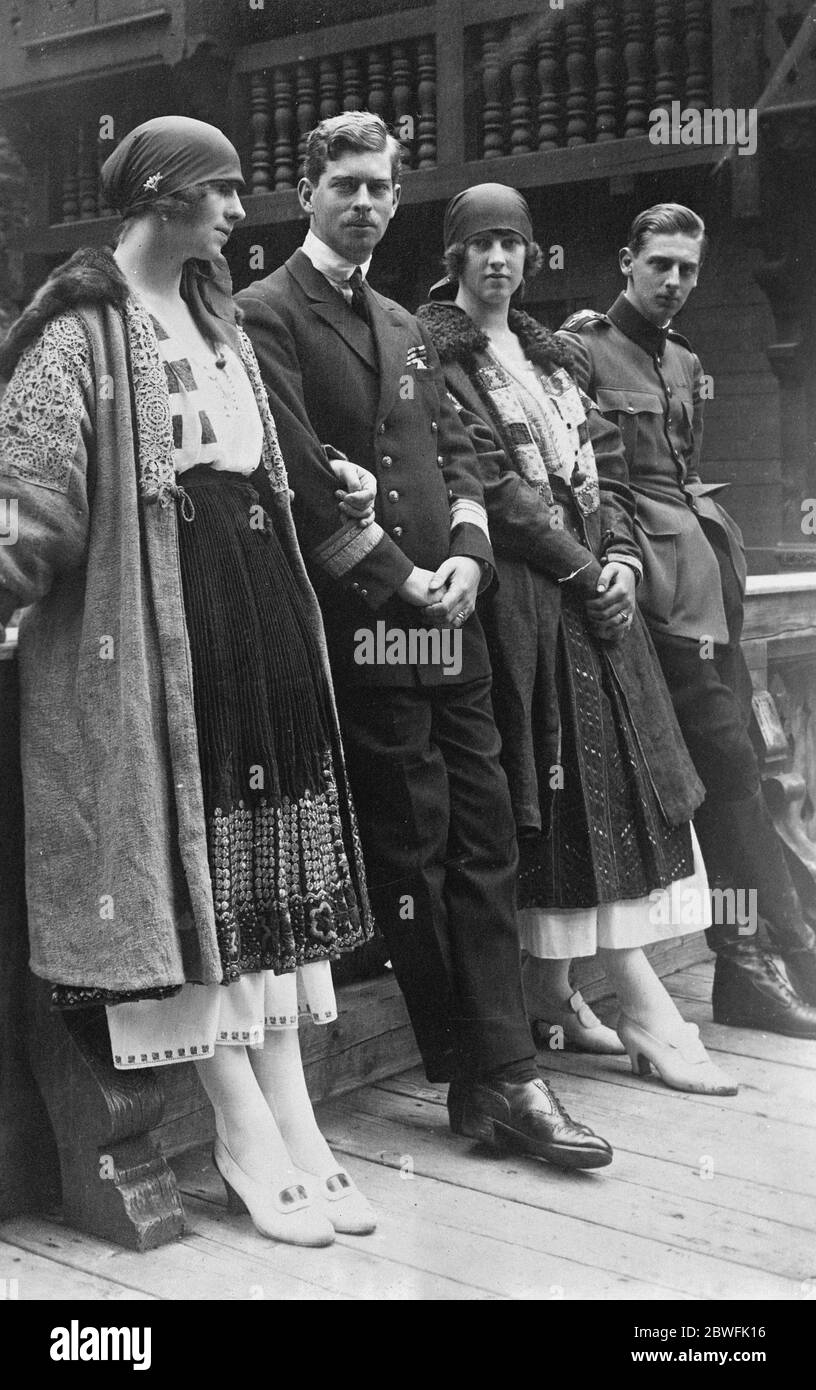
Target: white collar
{"type": "Point", "coordinates": [327, 261]}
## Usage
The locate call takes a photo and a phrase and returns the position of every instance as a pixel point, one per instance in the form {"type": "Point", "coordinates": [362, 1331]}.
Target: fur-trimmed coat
{"type": "Point", "coordinates": [117, 877]}
{"type": "Point", "coordinates": [536, 560]}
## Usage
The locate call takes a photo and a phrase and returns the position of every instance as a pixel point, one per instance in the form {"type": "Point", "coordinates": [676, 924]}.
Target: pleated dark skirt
{"type": "Point", "coordinates": [604, 837]}
{"type": "Point", "coordinates": [280, 836]}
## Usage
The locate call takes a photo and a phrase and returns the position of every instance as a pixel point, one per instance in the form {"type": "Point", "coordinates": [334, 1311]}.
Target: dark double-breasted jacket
{"type": "Point", "coordinates": [377, 395]}
{"type": "Point", "coordinates": [649, 383]}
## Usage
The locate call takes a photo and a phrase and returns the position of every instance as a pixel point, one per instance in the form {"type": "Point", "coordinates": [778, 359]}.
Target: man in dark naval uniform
{"type": "Point", "coordinates": [646, 378]}
{"type": "Point", "coordinates": [348, 369]}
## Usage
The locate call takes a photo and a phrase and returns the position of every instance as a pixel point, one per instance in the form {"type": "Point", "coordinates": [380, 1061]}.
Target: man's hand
{"type": "Point", "coordinates": [612, 609]}
{"type": "Point", "coordinates": [415, 588]}
{"type": "Point", "coordinates": [454, 588]}
{"type": "Point", "coordinates": [356, 497]}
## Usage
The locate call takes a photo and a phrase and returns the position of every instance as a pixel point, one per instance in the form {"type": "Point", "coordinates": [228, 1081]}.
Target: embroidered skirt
{"type": "Point", "coordinates": [607, 850]}
{"type": "Point", "coordinates": [280, 833]}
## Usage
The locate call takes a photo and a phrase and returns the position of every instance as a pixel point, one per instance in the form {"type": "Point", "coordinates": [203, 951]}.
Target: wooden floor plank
{"type": "Point", "coordinates": [437, 1226]}
{"type": "Point", "coordinates": [397, 1128]}
{"type": "Point", "coordinates": [674, 1126]}
{"type": "Point", "coordinates": [187, 1269]}
{"type": "Point", "coordinates": [768, 1090]}
{"type": "Point", "coordinates": [26, 1276]}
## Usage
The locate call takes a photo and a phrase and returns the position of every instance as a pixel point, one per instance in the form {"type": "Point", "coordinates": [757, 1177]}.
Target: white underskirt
{"type": "Point", "coordinates": [157, 1032]}
{"type": "Point", "coordinates": [560, 934]}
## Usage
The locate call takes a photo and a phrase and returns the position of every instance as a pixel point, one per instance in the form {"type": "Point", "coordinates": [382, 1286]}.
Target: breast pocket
{"type": "Point", "coordinates": [634, 414]}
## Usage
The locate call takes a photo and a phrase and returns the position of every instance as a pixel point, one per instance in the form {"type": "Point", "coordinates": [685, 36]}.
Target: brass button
{"type": "Point", "coordinates": [434, 426]}
{"type": "Point", "coordinates": [440, 461]}
{"type": "Point", "coordinates": [381, 428]}
{"type": "Point", "coordinates": [386, 460]}
{"type": "Point", "coordinates": [364, 593]}
{"type": "Point", "coordinates": [397, 531]}
{"type": "Point", "coordinates": [393, 495]}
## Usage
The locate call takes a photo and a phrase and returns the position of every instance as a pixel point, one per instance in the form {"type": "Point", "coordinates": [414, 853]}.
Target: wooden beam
{"type": "Point", "coordinates": [340, 38]}
{"type": "Point", "coordinates": [108, 29]}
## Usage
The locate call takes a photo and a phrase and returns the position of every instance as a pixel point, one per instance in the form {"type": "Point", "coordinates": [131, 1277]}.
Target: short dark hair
{"type": "Point", "coordinates": [454, 259]}
{"type": "Point", "coordinates": [664, 219]}
{"type": "Point", "coordinates": [353, 130]}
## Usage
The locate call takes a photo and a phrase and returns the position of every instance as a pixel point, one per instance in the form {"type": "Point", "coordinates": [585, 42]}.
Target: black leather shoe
{"type": "Point", "coordinates": [525, 1116]}
{"type": "Point", "coordinates": [752, 989]}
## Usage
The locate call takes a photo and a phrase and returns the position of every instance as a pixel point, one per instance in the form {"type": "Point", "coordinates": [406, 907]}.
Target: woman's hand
{"type": "Point", "coordinates": [453, 590]}
{"type": "Point", "coordinates": [612, 609]}
{"type": "Point", "coordinates": [356, 497]}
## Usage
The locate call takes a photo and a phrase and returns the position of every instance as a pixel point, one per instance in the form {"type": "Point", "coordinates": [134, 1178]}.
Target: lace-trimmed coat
{"type": "Point", "coordinates": [117, 878]}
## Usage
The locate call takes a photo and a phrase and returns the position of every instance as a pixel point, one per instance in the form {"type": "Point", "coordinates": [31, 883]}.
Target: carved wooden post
{"type": "Point", "coordinates": [329, 84]}
{"type": "Point", "coordinates": [284, 165]}
{"type": "Point", "coordinates": [667, 86]}
{"type": "Point", "coordinates": [426, 100]}
{"type": "Point", "coordinates": [493, 116]}
{"type": "Point", "coordinates": [260, 162]}
{"type": "Point", "coordinates": [577, 90]}
{"type": "Point", "coordinates": [115, 1183]}
{"type": "Point", "coordinates": [696, 31]}
{"type": "Point", "coordinates": [521, 72]}
{"type": "Point", "coordinates": [377, 84]}
{"type": "Point", "coordinates": [549, 42]}
{"type": "Point", "coordinates": [402, 93]}
{"type": "Point", "coordinates": [352, 82]}
{"type": "Point", "coordinates": [70, 182]}
{"type": "Point", "coordinates": [306, 109]}
{"type": "Point", "coordinates": [634, 54]}
{"type": "Point", "coordinates": [605, 71]}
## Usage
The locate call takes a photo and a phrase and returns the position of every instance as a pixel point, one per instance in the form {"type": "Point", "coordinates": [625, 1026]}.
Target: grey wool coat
{"type": "Point", "coordinates": [535, 562]}
{"type": "Point", "coordinates": [117, 877]}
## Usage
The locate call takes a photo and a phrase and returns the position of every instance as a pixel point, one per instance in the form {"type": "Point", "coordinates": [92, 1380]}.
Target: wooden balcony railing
{"type": "Point", "coordinates": [528, 97]}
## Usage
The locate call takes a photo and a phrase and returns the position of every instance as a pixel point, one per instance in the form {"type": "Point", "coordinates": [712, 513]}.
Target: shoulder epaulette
{"type": "Point", "coordinates": [678, 338]}
{"type": "Point", "coordinates": [582, 318]}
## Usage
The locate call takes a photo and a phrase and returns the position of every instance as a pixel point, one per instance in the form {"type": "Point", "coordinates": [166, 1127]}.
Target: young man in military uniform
{"type": "Point", "coordinates": [347, 368]}
{"type": "Point", "coordinates": [646, 378]}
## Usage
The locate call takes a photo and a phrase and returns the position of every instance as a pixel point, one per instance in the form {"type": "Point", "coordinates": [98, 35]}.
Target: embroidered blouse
{"type": "Point", "coordinates": [214, 412]}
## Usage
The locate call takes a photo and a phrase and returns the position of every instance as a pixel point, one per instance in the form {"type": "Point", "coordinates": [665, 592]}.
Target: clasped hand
{"type": "Point", "coordinates": [359, 491]}
{"type": "Point", "coordinates": [612, 609]}
{"type": "Point", "coordinates": [448, 596]}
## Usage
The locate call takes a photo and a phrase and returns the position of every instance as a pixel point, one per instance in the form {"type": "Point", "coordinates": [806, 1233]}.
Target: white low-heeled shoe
{"type": "Point", "coordinates": [287, 1215]}
{"type": "Point", "coordinates": [341, 1200]}
{"type": "Point", "coordinates": [582, 1029]}
{"type": "Point", "coordinates": [682, 1063]}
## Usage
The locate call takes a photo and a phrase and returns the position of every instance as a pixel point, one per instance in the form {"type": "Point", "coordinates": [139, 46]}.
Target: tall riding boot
{"type": "Point", "coordinates": [761, 852]}
{"type": "Point", "coordinates": [752, 988]}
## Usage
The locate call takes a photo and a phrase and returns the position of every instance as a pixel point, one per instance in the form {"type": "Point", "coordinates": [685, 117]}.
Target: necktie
{"type": "Point", "coordinates": [358, 299]}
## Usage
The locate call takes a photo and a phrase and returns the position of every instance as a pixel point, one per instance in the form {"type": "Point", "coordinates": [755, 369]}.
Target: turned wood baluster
{"type": "Point", "coordinates": [521, 72]}
{"type": "Point", "coordinates": [260, 121]}
{"type": "Point", "coordinates": [426, 101]}
{"type": "Point", "coordinates": [69, 210]}
{"type": "Point", "coordinates": [606, 64]}
{"type": "Point", "coordinates": [403, 95]}
{"type": "Point", "coordinates": [697, 42]}
{"type": "Point", "coordinates": [634, 54]}
{"type": "Point", "coordinates": [352, 82]}
{"type": "Point", "coordinates": [329, 85]}
{"type": "Point", "coordinates": [377, 82]}
{"type": "Point", "coordinates": [306, 108]}
{"type": "Point", "coordinates": [493, 116]}
{"type": "Point", "coordinates": [665, 52]}
{"type": "Point", "coordinates": [549, 111]}
{"type": "Point", "coordinates": [103, 149]}
{"type": "Point", "coordinates": [577, 89]}
{"type": "Point", "coordinates": [284, 164]}
{"type": "Point", "coordinates": [87, 174]}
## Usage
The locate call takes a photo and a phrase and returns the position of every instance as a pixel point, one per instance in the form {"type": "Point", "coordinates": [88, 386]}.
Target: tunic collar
{"type": "Point", "coordinates": [630, 321]}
